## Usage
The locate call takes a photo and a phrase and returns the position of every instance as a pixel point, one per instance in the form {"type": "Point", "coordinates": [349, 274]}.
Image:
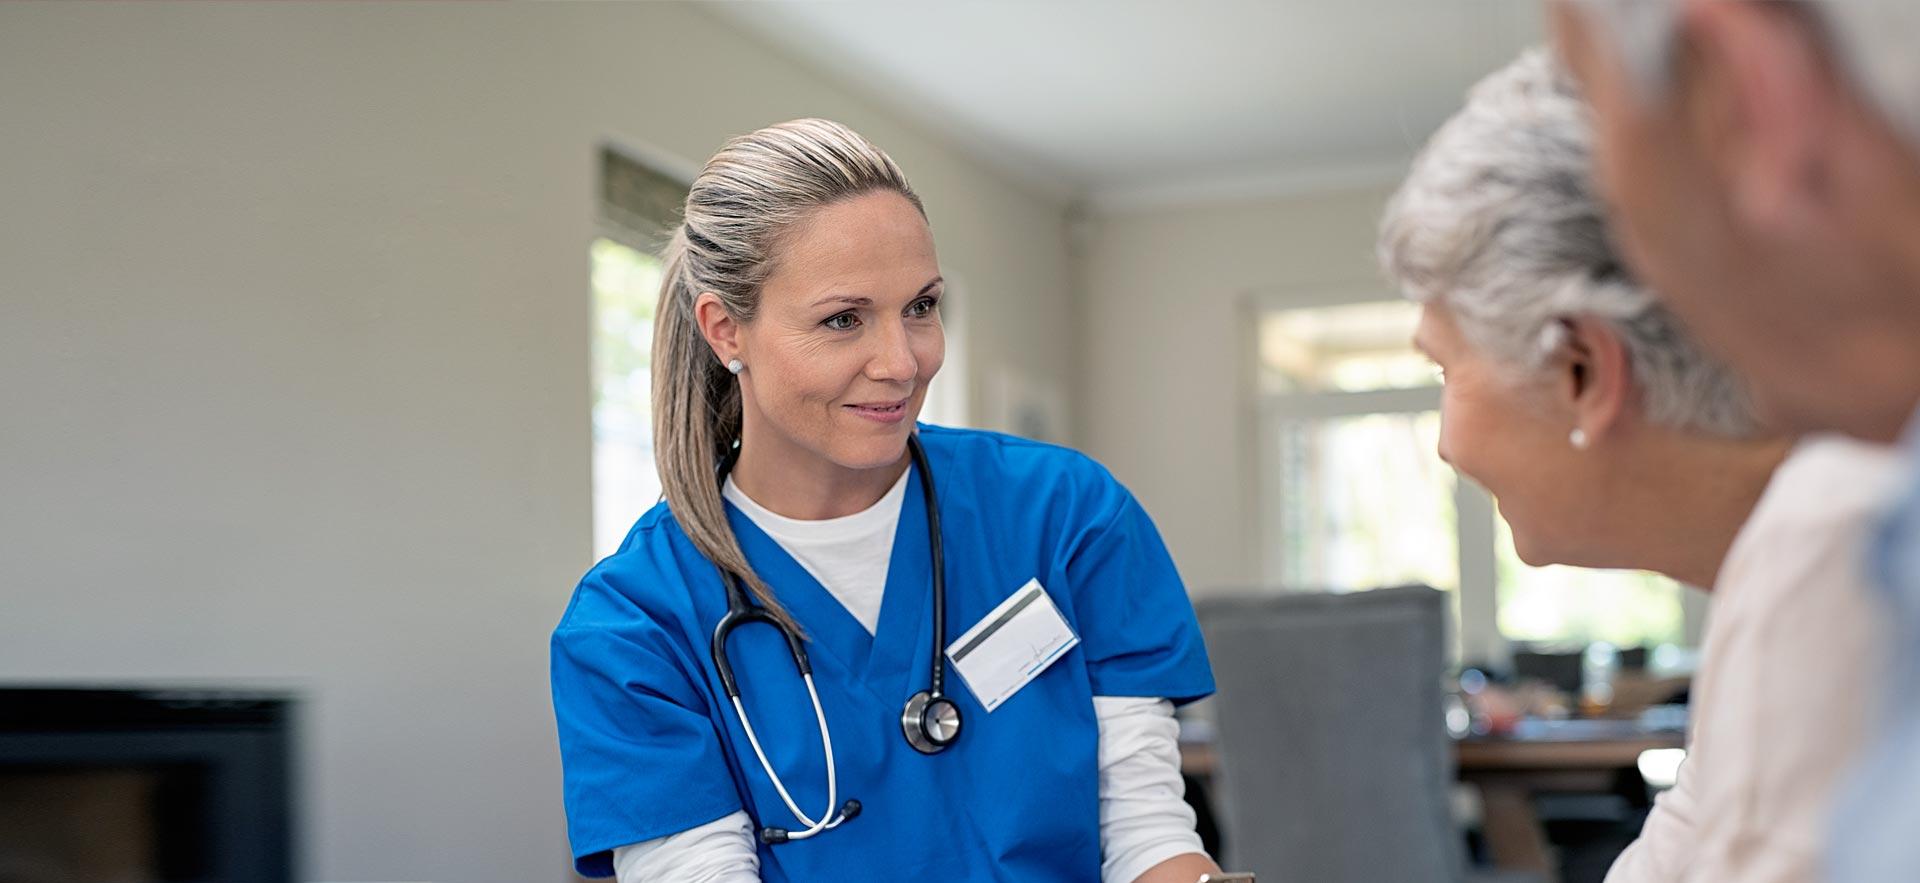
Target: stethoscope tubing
{"type": "Point", "coordinates": [937, 682]}
{"type": "Point", "coordinates": [828, 819]}
{"type": "Point", "coordinates": [741, 611]}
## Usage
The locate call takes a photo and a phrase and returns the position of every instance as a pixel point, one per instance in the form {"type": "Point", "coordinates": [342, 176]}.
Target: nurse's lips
{"type": "Point", "coordinates": [882, 412]}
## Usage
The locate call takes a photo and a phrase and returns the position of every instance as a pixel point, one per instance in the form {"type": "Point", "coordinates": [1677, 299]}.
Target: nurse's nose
{"type": "Point", "coordinates": [893, 359]}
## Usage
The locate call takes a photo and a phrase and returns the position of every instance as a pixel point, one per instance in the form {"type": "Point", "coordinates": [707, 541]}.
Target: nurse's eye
{"type": "Point", "coordinates": [846, 321]}
{"type": "Point", "coordinates": [923, 308]}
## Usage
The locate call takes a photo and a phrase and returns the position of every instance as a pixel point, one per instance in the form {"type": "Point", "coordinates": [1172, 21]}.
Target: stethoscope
{"type": "Point", "coordinates": [930, 720]}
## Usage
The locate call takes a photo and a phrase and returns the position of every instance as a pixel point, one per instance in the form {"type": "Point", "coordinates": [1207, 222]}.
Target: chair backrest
{"type": "Point", "coordinates": [1334, 759]}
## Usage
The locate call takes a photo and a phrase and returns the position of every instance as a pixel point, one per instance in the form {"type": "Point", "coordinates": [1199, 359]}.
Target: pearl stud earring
{"type": "Point", "coordinates": [735, 366]}
{"type": "Point", "coordinates": [1578, 437]}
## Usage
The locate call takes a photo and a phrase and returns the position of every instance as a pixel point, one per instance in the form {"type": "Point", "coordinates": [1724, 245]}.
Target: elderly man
{"type": "Point", "coordinates": [1763, 161]}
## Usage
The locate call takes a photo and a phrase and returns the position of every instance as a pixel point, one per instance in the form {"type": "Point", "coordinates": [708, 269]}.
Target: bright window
{"type": "Point", "coordinates": [1575, 606]}
{"type": "Point", "coordinates": [1360, 505]}
{"type": "Point", "coordinates": [1355, 496]}
{"type": "Point", "coordinates": [639, 207]}
{"type": "Point", "coordinates": [1344, 348]}
{"type": "Point", "coordinates": [626, 285]}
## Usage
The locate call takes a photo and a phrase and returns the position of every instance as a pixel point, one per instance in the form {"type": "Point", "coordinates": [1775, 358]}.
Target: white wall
{"type": "Point", "coordinates": [1165, 401]}
{"type": "Point", "coordinates": [293, 367]}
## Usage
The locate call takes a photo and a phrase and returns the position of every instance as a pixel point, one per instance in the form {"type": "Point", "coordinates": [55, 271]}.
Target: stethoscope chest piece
{"type": "Point", "coordinates": [930, 722]}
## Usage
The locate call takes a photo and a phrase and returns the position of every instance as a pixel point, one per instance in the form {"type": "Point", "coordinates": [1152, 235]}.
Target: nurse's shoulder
{"type": "Point", "coordinates": [1021, 473]}
{"type": "Point", "coordinates": [642, 586]}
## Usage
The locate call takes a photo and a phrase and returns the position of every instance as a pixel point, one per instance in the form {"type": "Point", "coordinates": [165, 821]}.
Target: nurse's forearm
{"type": "Point", "coordinates": [1179, 869]}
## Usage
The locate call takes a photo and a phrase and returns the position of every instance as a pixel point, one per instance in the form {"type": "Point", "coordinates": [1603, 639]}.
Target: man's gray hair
{"type": "Point", "coordinates": [1498, 220]}
{"type": "Point", "coordinates": [1872, 41]}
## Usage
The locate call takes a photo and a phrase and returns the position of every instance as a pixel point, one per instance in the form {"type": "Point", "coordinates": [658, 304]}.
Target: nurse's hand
{"type": "Point", "coordinates": [1180, 869]}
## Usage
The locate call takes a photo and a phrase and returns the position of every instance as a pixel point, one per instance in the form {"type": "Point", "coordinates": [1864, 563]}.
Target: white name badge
{"type": "Point", "coordinates": [1011, 645]}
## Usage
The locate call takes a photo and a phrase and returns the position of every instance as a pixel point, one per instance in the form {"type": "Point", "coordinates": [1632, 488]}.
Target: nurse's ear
{"type": "Point", "coordinates": [718, 326]}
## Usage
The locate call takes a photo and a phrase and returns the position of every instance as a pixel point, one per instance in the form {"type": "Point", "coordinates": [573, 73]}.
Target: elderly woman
{"type": "Point", "coordinates": [1610, 441]}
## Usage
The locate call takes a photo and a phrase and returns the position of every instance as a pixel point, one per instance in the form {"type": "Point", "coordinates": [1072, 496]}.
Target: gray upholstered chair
{"type": "Point", "coordinates": [1334, 760]}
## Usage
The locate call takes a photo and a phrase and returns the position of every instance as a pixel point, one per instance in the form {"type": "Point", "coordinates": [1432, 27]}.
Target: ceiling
{"type": "Point", "coordinates": [1149, 102]}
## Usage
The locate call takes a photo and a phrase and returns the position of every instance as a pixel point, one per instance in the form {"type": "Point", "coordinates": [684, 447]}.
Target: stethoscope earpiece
{"type": "Point", "coordinates": [776, 836]}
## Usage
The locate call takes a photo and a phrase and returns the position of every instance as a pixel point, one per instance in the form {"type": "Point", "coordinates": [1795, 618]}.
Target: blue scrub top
{"type": "Point", "coordinates": [650, 745]}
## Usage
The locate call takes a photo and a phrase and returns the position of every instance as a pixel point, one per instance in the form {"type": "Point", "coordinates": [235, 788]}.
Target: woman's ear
{"type": "Point", "coordinates": [1596, 376]}
{"type": "Point", "coordinates": [718, 326]}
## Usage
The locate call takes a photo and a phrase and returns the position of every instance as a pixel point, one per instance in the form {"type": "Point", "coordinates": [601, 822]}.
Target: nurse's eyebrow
{"type": "Point", "coordinates": [856, 300]}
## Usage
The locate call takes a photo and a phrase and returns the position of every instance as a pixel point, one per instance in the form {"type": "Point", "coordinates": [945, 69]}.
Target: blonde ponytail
{"type": "Point", "coordinates": [756, 188]}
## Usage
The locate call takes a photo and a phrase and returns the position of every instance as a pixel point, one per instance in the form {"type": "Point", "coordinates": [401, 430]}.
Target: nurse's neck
{"type": "Point", "coordinates": [795, 482]}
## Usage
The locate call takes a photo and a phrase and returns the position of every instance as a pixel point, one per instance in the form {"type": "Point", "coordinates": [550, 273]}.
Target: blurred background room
{"type": "Point", "coordinates": [324, 340]}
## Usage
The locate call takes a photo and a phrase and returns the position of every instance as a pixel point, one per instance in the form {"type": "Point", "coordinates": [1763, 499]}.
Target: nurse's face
{"type": "Point", "coordinates": [847, 336]}
{"type": "Point", "coordinates": [1509, 434]}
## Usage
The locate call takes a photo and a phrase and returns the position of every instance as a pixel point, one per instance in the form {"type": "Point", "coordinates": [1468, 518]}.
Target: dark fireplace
{"type": "Point", "coordinates": [144, 786]}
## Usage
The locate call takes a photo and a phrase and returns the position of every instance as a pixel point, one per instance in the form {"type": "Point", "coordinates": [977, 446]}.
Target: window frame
{"type": "Point", "coordinates": [1478, 637]}
{"type": "Point", "coordinates": [643, 224]}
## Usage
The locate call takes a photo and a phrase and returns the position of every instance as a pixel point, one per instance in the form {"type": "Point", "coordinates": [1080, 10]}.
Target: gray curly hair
{"type": "Point", "coordinates": [1499, 221]}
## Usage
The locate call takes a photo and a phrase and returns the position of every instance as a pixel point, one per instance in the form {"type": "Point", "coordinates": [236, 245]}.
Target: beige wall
{"type": "Point", "coordinates": [1164, 374]}
{"type": "Point", "coordinates": [293, 367]}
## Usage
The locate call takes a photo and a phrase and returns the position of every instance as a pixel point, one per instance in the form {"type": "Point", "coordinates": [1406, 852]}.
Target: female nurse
{"type": "Point", "coordinates": [848, 646]}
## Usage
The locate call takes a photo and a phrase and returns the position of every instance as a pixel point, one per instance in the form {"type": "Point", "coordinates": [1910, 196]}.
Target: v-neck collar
{"type": "Point", "coordinates": [884, 661]}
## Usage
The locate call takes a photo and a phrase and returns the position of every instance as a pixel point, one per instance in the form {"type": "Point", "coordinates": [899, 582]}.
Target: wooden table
{"type": "Point", "coordinates": [1546, 756]}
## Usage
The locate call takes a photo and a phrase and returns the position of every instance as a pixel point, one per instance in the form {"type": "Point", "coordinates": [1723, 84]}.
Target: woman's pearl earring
{"type": "Point", "coordinates": [735, 366]}
{"type": "Point", "coordinates": [1578, 437]}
